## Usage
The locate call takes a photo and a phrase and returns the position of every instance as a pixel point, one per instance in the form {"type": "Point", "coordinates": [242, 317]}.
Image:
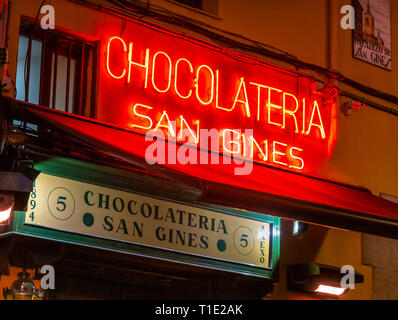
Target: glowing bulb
{"type": "Point", "coordinates": [5, 214]}
{"type": "Point", "coordinates": [330, 290]}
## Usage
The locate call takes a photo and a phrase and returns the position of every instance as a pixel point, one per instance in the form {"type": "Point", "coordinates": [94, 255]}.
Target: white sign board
{"type": "Point", "coordinates": [82, 208]}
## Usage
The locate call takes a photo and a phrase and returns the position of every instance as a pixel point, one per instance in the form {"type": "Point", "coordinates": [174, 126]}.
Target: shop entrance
{"type": "Point", "coordinates": [84, 273]}
{"type": "Point", "coordinates": [108, 275]}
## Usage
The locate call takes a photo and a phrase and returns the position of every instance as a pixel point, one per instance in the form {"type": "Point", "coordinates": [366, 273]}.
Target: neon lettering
{"type": "Point", "coordinates": [169, 125]}
{"type": "Point", "coordinates": [145, 65]}
{"type": "Point", "coordinates": [176, 78]}
{"type": "Point", "coordinates": [153, 72]}
{"type": "Point", "coordinates": [217, 94]}
{"type": "Point", "coordinates": [320, 125]}
{"type": "Point", "coordinates": [303, 131]}
{"type": "Point", "coordinates": [231, 141]}
{"type": "Point", "coordinates": [108, 54]}
{"type": "Point", "coordinates": [188, 79]}
{"type": "Point", "coordinates": [142, 116]}
{"type": "Point", "coordinates": [297, 158]}
{"type": "Point", "coordinates": [194, 135]}
{"type": "Point", "coordinates": [264, 156]}
{"type": "Point", "coordinates": [290, 112]}
{"type": "Point", "coordinates": [203, 66]}
{"type": "Point", "coordinates": [275, 152]}
{"type": "Point", "coordinates": [245, 102]}
{"type": "Point", "coordinates": [259, 87]}
{"type": "Point", "coordinates": [272, 106]}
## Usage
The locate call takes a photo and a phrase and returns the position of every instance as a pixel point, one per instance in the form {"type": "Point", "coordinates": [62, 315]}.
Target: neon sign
{"type": "Point", "coordinates": [173, 85]}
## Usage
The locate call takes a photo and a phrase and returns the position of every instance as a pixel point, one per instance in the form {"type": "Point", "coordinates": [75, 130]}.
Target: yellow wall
{"type": "Point", "coordinates": [366, 152]}
{"type": "Point", "coordinates": [325, 246]}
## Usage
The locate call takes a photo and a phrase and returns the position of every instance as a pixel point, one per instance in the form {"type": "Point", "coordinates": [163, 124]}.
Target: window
{"type": "Point", "coordinates": [204, 6]}
{"type": "Point", "coordinates": [57, 70]}
{"type": "Point", "coordinates": [198, 4]}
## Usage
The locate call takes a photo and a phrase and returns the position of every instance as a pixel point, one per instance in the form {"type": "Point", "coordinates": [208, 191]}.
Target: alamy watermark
{"type": "Point", "coordinates": [348, 20]}
{"type": "Point", "coordinates": [232, 147]}
{"type": "Point", "coordinates": [348, 280]}
{"type": "Point", "coordinates": [48, 20]}
{"type": "Point", "coordinates": [48, 279]}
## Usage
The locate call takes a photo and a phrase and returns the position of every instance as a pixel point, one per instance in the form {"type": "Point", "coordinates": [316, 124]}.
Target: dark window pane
{"type": "Point", "coordinates": [192, 3]}
{"type": "Point", "coordinates": [35, 66]}
{"type": "Point", "coordinates": [61, 72]}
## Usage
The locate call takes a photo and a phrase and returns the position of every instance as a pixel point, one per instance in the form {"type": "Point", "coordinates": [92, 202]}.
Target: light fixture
{"type": "Point", "coordinates": [5, 214]}
{"type": "Point", "coordinates": [317, 279]}
{"type": "Point", "coordinates": [6, 206]}
{"type": "Point", "coordinates": [337, 291]}
{"type": "Point", "coordinates": [299, 228]}
{"type": "Point", "coordinates": [18, 187]}
{"type": "Point", "coordinates": [23, 289]}
{"type": "Point", "coordinates": [349, 106]}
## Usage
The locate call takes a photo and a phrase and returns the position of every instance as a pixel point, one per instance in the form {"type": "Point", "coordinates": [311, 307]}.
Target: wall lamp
{"type": "Point", "coordinates": [317, 279]}
{"type": "Point", "coordinates": [15, 188]}
{"type": "Point", "coordinates": [23, 289]}
{"type": "Point", "coordinates": [351, 105]}
{"type": "Point", "coordinates": [299, 228]}
{"type": "Point", "coordinates": [17, 185]}
{"type": "Point", "coordinates": [6, 207]}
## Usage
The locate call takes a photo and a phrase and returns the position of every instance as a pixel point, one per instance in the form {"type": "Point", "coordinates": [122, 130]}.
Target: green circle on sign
{"type": "Point", "coordinates": [88, 219]}
{"type": "Point", "coordinates": [221, 245]}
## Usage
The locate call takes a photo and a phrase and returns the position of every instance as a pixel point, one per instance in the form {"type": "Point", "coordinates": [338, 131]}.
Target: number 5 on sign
{"type": "Point", "coordinates": [61, 203]}
{"type": "Point", "coordinates": [243, 241]}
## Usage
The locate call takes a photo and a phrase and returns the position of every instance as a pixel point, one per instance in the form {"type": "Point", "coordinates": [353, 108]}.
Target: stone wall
{"type": "Point", "coordinates": [382, 254]}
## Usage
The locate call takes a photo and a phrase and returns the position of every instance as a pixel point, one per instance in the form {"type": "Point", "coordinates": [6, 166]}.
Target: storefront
{"type": "Point", "coordinates": [146, 163]}
{"type": "Point", "coordinates": [137, 234]}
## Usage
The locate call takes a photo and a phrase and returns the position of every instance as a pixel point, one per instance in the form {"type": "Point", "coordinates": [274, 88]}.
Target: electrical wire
{"type": "Point", "coordinates": [168, 12]}
{"type": "Point", "coordinates": [4, 21]}
{"type": "Point", "coordinates": [146, 11]}
{"type": "Point", "coordinates": [136, 7]}
{"type": "Point", "coordinates": [4, 14]}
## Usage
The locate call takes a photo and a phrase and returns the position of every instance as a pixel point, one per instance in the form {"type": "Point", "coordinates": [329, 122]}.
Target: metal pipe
{"type": "Point", "coordinates": [370, 103]}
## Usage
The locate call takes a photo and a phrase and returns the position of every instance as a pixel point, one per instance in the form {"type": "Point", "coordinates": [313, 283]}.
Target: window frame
{"type": "Point", "coordinates": [78, 49]}
{"type": "Point", "coordinates": [212, 11]}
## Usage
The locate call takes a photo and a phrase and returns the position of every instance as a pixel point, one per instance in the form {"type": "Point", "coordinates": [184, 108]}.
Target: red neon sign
{"type": "Point", "coordinates": [153, 80]}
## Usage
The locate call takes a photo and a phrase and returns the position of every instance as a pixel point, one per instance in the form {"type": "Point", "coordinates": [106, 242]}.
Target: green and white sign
{"type": "Point", "coordinates": [87, 209]}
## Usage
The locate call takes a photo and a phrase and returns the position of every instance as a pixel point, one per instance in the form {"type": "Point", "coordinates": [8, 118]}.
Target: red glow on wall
{"type": "Point", "coordinates": [151, 79]}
